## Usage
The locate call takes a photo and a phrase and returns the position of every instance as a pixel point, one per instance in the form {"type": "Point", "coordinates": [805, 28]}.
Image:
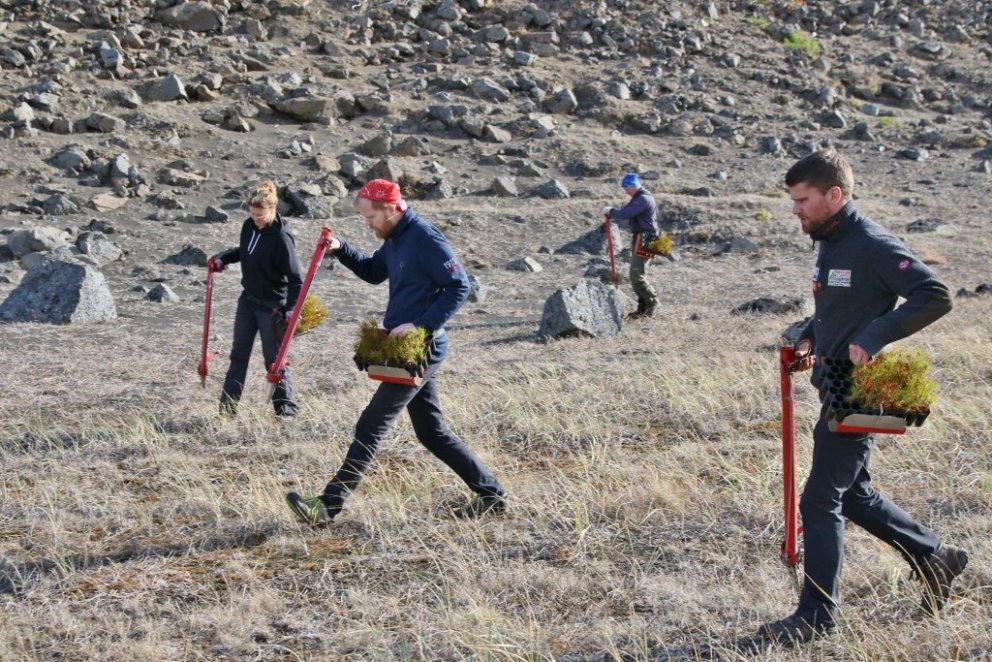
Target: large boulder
{"type": "Point", "coordinates": [589, 308]}
{"type": "Point", "coordinates": [60, 292]}
{"type": "Point", "coordinates": [194, 16]}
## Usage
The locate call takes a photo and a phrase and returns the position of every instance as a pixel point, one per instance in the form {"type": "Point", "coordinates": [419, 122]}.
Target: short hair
{"type": "Point", "coordinates": [823, 170]}
{"type": "Point", "coordinates": [262, 195]}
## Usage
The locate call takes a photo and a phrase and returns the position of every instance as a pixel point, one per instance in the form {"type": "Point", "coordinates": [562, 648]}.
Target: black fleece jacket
{"type": "Point", "coordinates": [861, 271]}
{"type": "Point", "coordinates": [270, 271]}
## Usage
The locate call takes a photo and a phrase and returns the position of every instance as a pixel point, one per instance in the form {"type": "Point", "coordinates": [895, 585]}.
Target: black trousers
{"type": "Point", "coordinates": [253, 319]}
{"type": "Point", "coordinates": [422, 404]}
{"type": "Point", "coordinates": [839, 487]}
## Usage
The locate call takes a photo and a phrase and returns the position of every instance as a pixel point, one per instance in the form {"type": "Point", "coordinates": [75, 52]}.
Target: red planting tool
{"type": "Point", "coordinates": [609, 245]}
{"type": "Point", "coordinates": [201, 366]}
{"type": "Point", "coordinates": [788, 363]}
{"type": "Point", "coordinates": [279, 365]}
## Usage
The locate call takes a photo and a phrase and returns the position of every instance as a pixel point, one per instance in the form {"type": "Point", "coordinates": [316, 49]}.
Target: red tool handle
{"type": "Point", "coordinates": [275, 370]}
{"type": "Point", "coordinates": [788, 363]}
{"type": "Point", "coordinates": [201, 367]}
{"type": "Point", "coordinates": [609, 244]}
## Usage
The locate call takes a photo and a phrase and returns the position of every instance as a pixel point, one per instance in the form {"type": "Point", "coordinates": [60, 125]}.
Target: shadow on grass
{"type": "Point", "coordinates": [14, 577]}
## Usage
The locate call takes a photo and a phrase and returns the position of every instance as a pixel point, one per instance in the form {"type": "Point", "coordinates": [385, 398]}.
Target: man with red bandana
{"type": "Point", "coordinates": [427, 285]}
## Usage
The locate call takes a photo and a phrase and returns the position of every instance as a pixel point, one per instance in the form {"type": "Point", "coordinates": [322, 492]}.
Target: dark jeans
{"type": "Point", "coordinates": [422, 404]}
{"type": "Point", "coordinates": [838, 487]}
{"type": "Point", "coordinates": [253, 319]}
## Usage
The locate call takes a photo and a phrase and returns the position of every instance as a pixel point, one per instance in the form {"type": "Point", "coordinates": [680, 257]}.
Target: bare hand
{"type": "Point", "coordinates": [803, 348]}
{"type": "Point", "coordinates": [606, 211]}
{"type": "Point", "coordinates": [333, 244]}
{"type": "Point", "coordinates": [401, 329]}
{"type": "Point", "coordinates": [858, 355]}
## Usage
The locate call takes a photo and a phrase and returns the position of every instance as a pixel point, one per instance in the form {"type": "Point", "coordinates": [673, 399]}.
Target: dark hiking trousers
{"type": "Point", "coordinates": [422, 404]}
{"type": "Point", "coordinates": [251, 319]}
{"type": "Point", "coordinates": [838, 487]}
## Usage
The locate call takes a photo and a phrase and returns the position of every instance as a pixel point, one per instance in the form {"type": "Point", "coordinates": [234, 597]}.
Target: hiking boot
{"type": "Point", "coordinates": [937, 572]}
{"type": "Point", "coordinates": [482, 504]}
{"type": "Point", "coordinates": [644, 309]}
{"type": "Point", "coordinates": [311, 511]}
{"type": "Point", "coordinates": [796, 629]}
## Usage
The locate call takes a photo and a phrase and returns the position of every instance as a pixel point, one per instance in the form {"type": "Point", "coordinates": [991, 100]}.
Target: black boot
{"type": "Point", "coordinates": [644, 309]}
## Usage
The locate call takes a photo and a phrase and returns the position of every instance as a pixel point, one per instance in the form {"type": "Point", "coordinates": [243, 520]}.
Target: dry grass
{"type": "Point", "coordinates": [645, 517]}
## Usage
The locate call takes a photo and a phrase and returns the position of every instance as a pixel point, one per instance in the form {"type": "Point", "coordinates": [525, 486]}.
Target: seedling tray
{"type": "Point", "coordinates": [846, 415]}
{"type": "Point", "coordinates": [393, 375]}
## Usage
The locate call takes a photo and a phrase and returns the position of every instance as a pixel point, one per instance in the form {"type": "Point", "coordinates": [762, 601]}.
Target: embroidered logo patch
{"type": "Point", "coordinates": [904, 265]}
{"type": "Point", "coordinates": [839, 278]}
{"type": "Point", "coordinates": [451, 265]}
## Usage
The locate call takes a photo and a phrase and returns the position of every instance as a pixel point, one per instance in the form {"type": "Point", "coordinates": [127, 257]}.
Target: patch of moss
{"type": "Point", "coordinates": [662, 245]}
{"type": "Point", "coordinates": [798, 40]}
{"type": "Point", "coordinates": [763, 215]}
{"type": "Point", "coordinates": [894, 381]}
{"type": "Point", "coordinates": [376, 347]}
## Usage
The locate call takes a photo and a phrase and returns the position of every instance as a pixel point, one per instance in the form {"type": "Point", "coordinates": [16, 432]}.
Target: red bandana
{"type": "Point", "coordinates": [381, 190]}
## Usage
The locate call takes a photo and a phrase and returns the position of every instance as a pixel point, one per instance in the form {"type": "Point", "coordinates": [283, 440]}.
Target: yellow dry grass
{"type": "Point", "coordinates": [645, 515]}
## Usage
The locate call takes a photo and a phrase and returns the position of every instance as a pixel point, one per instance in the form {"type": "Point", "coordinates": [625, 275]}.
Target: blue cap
{"type": "Point", "coordinates": [631, 179]}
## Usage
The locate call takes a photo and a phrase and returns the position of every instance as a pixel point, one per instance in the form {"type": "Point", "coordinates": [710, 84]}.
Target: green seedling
{"type": "Point", "coordinates": [894, 381]}
{"type": "Point", "coordinates": [377, 347]}
{"type": "Point", "coordinates": [662, 245]}
{"type": "Point", "coordinates": [313, 314]}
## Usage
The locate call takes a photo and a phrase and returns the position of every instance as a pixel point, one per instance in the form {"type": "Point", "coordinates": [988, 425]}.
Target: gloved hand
{"type": "Point", "coordinates": [606, 211]}
{"type": "Point", "coordinates": [280, 321]}
{"type": "Point", "coordinates": [361, 363]}
{"type": "Point", "coordinates": [216, 264]}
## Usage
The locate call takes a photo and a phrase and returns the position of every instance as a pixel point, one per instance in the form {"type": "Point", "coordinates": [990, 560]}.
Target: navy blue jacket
{"type": "Point", "coordinates": [427, 283]}
{"type": "Point", "coordinates": [270, 270]}
{"type": "Point", "coordinates": [861, 271]}
{"type": "Point", "coordinates": [641, 211]}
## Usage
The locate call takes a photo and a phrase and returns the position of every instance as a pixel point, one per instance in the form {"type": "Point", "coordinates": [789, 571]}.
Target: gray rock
{"type": "Point", "coordinates": [60, 292]}
{"type": "Point", "coordinates": [168, 88]}
{"type": "Point", "coordinates": [387, 168]}
{"type": "Point", "coordinates": [189, 256]}
{"type": "Point", "coordinates": [22, 112]}
{"type": "Point", "coordinates": [98, 247]}
{"type": "Point", "coordinates": [496, 134]}
{"type": "Point", "coordinates": [526, 263]}
{"type": "Point", "coordinates": [195, 16]}
{"type": "Point", "coordinates": [553, 190]}
{"type": "Point", "coordinates": [589, 308]}
{"type": "Point", "coordinates": [915, 154]}
{"type": "Point", "coordinates": [36, 240]}
{"type": "Point", "coordinates": [504, 187]}
{"type": "Point", "coordinates": [489, 90]}
{"type": "Point", "coordinates": [215, 215]}
{"type": "Point", "coordinates": [306, 109]}
{"type": "Point", "coordinates": [562, 102]}
{"type": "Point", "coordinates": [479, 290]}
{"type": "Point", "coordinates": [59, 204]}
{"type": "Point", "coordinates": [593, 242]}
{"type": "Point", "coordinates": [72, 158]}
{"type": "Point", "coordinates": [162, 293]}
{"type": "Point", "coordinates": [377, 146]}
{"type": "Point", "coordinates": [105, 123]}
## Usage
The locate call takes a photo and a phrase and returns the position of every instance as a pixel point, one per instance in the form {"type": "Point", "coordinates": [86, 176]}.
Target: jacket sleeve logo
{"type": "Point", "coordinates": [451, 266]}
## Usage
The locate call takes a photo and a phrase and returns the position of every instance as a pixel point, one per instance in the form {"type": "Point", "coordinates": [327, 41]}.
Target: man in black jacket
{"type": "Point", "coordinates": [272, 280]}
{"type": "Point", "coordinates": [861, 271]}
